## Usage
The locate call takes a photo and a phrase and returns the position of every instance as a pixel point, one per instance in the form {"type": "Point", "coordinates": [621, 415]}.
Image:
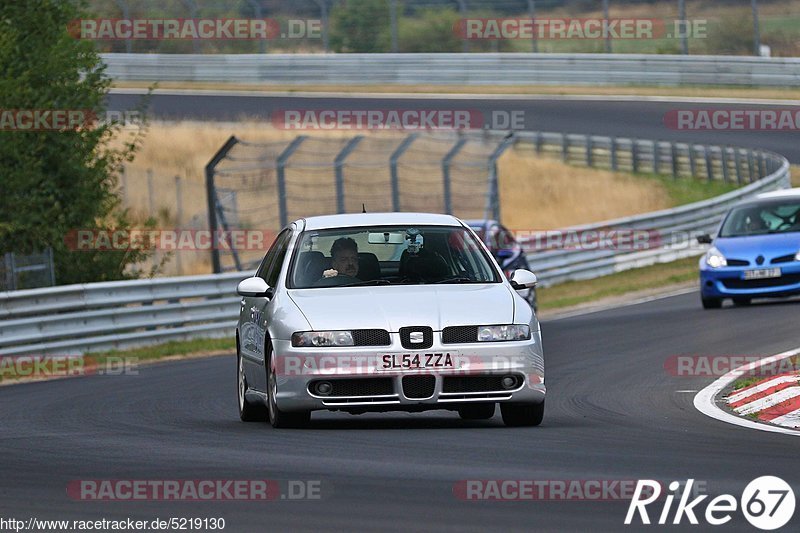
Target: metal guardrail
{"type": "Point", "coordinates": [100, 316]}
{"type": "Point", "coordinates": [458, 69]}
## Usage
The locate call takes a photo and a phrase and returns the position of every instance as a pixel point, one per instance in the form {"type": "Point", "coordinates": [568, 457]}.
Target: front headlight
{"type": "Point", "coordinates": [511, 332]}
{"type": "Point", "coordinates": [715, 259]}
{"type": "Point", "coordinates": [797, 256]}
{"type": "Point", "coordinates": [322, 338]}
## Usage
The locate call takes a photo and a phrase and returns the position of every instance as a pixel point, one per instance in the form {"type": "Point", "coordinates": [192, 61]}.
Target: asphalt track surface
{"type": "Point", "coordinates": [613, 413]}
{"type": "Point", "coordinates": [639, 119]}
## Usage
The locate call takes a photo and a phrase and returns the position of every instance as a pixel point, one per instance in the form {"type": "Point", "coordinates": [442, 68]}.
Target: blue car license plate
{"type": "Point", "coordinates": [762, 273]}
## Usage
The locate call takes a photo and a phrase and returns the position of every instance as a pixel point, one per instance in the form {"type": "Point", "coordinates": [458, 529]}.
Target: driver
{"type": "Point", "coordinates": [344, 254]}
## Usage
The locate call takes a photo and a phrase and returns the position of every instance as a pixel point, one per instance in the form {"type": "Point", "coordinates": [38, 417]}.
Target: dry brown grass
{"type": "Point", "coordinates": [536, 193]}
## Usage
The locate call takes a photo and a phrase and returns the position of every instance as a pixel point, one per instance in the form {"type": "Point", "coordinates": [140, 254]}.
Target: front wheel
{"type": "Point", "coordinates": [522, 414]}
{"type": "Point", "coordinates": [248, 411]}
{"type": "Point", "coordinates": [278, 418]}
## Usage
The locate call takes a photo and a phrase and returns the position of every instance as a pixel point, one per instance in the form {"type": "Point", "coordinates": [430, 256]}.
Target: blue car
{"type": "Point", "coordinates": [756, 253]}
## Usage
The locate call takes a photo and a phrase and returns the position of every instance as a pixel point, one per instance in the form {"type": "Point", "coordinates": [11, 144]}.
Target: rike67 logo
{"type": "Point", "coordinates": [767, 503]}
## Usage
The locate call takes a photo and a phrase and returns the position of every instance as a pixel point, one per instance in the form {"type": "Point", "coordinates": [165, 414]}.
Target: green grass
{"type": "Point", "coordinates": [655, 276]}
{"type": "Point", "coordinates": [746, 382]}
{"type": "Point", "coordinates": [684, 190]}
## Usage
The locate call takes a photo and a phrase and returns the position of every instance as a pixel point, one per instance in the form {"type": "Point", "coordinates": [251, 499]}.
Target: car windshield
{"type": "Point", "coordinates": [762, 218]}
{"type": "Point", "coordinates": [389, 255]}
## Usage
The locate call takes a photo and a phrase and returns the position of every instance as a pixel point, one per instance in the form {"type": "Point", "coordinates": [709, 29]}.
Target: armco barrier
{"type": "Point", "coordinates": [97, 316]}
{"type": "Point", "coordinates": [458, 69]}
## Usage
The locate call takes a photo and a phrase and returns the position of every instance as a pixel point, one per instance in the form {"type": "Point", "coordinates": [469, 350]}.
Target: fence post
{"type": "Point", "coordinates": [564, 147]}
{"type": "Point", "coordinates": [725, 171]}
{"type": "Point", "coordinates": [8, 258]}
{"type": "Point", "coordinates": [762, 170]}
{"type": "Point", "coordinates": [395, 157]}
{"type": "Point", "coordinates": [656, 155]}
{"type": "Point", "coordinates": [539, 141]}
{"type": "Point", "coordinates": [634, 156]}
{"type": "Point", "coordinates": [674, 154]}
{"type": "Point", "coordinates": [339, 167]}
{"type": "Point", "coordinates": [589, 151]}
{"type": "Point", "coordinates": [448, 205]}
{"type": "Point", "coordinates": [738, 160]}
{"type": "Point", "coordinates": [280, 173]}
{"type": "Point", "coordinates": [613, 154]}
{"type": "Point", "coordinates": [709, 165]}
{"type": "Point", "coordinates": [692, 164]}
{"type": "Point", "coordinates": [51, 267]}
{"type": "Point", "coordinates": [211, 197]}
{"type": "Point", "coordinates": [750, 165]}
{"type": "Point", "coordinates": [493, 196]}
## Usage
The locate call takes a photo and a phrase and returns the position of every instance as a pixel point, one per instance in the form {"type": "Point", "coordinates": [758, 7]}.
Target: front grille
{"type": "Point", "coordinates": [427, 337]}
{"type": "Point", "coordinates": [788, 279]}
{"type": "Point", "coordinates": [356, 387]}
{"type": "Point", "coordinates": [472, 384]}
{"type": "Point", "coordinates": [738, 262]}
{"type": "Point", "coordinates": [419, 387]}
{"type": "Point", "coordinates": [459, 334]}
{"type": "Point", "coordinates": [371, 337]}
{"type": "Point", "coordinates": [783, 259]}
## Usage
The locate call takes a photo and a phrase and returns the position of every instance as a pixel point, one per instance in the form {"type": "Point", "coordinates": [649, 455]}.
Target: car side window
{"type": "Point", "coordinates": [274, 270]}
{"type": "Point", "coordinates": [266, 264]}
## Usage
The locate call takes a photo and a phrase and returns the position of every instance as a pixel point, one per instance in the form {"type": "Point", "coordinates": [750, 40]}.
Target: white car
{"type": "Point", "coordinates": [384, 312]}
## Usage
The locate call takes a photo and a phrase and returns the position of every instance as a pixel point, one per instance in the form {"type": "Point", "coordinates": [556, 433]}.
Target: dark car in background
{"type": "Point", "coordinates": [508, 253]}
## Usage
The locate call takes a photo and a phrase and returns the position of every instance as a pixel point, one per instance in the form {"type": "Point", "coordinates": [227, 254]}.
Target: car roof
{"type": "Point", "coordinates": [379, 219]}
{"type": "Point", "coordinates": [783, 193]}
{"type": "Point", "coordinates": [480, 223]}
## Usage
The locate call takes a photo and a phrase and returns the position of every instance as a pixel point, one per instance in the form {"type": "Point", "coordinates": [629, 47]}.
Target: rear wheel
{"type": "Point", "coordinates": [711, 303]}
{"type": "Point", "coordinates": [248, 411]}
{"type": "Point", "coordinates": [476, 411]}
{"type": "Point", "coordinates": [278, 418]}
{"type": "Point", "coordinates": [522, 414]}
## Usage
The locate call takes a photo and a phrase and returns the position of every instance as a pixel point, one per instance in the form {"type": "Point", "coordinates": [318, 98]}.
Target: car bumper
{"type": "Point", "coordinates": [729, 282]}
{"type": "Point", "coordinates": [359, 386]}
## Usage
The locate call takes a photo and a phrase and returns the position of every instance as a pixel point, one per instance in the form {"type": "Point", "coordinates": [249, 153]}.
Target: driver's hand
{"type": "Point", "coordinates": [330, 273]}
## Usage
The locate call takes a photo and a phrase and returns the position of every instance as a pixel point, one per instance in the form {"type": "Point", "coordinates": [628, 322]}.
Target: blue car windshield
{"type": "Point", "coordinates": [762, 219]}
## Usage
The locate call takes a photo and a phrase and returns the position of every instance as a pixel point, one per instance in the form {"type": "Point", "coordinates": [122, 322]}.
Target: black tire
{"type": "Point", "coordinates": [711, 303]}
{"type": "Point", "coordinates": [248, 411]}
{"type": "Point", "coordinates": [522, 414]}
{"type": "Point", "coordinates": [476, 411]}
{"type": "Point", "coordinates": [741, 302]}
{"type": "Point", "coordinates": [278, 418]}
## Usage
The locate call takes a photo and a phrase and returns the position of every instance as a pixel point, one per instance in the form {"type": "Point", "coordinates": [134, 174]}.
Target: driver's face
{"type": "Point", "coordinates": [346, 263]}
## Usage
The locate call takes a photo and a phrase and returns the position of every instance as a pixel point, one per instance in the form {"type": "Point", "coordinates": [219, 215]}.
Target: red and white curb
{"type": "Point", "coordinates": [774, 400]}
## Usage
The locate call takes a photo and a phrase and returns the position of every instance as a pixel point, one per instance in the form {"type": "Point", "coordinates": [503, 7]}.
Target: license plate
{"type": "Point", "coordinates": [762, 273]}
{"type": "Point", "coordinates": [418, 361]}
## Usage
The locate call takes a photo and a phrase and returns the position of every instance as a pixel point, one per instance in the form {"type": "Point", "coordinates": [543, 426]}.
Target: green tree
{"type": "Point", "coordinates": [360, 26]}
{"type": "Point", "coordinates": [55, 182]}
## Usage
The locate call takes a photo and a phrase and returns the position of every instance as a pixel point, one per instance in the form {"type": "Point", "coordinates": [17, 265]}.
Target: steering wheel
{"type": "Point", "coordinates": [335, 281]}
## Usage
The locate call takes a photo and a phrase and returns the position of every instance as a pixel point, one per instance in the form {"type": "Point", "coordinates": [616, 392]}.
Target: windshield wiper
{"type": "Point", "coordinates": [367, 283]}
{"type": "Point", "coordinates": [457, 279]}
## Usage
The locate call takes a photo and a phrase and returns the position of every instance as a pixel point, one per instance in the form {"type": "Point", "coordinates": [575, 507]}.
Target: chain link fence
{"type": "Point", "coordinates": [19, 271]}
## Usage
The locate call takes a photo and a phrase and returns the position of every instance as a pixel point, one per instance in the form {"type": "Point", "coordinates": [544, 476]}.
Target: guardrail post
{"type": "Point", "coordinates": [723, 150]}
{"type": "Point", "coordinates": [737, 154]}
{"type": "Point", "coordinates": [393, 169]}
{"type": "Point", "coordinates": [692, 164]}
{"type": "Point", "coordinates": [280, 163]}
{"type": "Point", "coordinates": [10, 275]}
{"type": "Point", "coordinates": [589, 161]}
{"type": "Point", "coordinates": [656, 155]}
{"type": "Point", "coordinates": [539, 141]}
{"type": "Point", "coordinates": [674, 154]}
{"type": "Point", "coordinates": [564, 147]}
{"type": "Point", "coordinates": [613, 154]}
{"type": "Point", "coordinates": [709, 165]}
{"type": "Point", "coordinates": [634, 156]}
{"type": "Point", "coordinates": [339, 170]}
{"type": "Point", "coordinates": [448, 204]}
{"type": "Point", "coordinates": [211, 197]}
{"type": "Point", "coordinates": [762, 170]}
{"type": "Point", "coordinates": [750, 165]}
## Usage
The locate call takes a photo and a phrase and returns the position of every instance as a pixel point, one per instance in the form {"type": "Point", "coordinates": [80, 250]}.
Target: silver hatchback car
{"type": "Point", "coordinates": [386, 312]}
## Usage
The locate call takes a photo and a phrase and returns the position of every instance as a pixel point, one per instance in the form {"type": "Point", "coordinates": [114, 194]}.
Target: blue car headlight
{"type": "Point", "coordinates": [510, 332]}
{"type": "Point", "coordinates": [322, 338]}
{"type": "Point", "coordinates": [715, 259]}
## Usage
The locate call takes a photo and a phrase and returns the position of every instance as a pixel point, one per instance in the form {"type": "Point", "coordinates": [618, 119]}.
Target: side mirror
{"type": "Point", "coordinates": [254, 287]}
{"type": "Point", "coordinates": [523, 279]}
{"type": "Point", "coordinates": [705, 238]}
